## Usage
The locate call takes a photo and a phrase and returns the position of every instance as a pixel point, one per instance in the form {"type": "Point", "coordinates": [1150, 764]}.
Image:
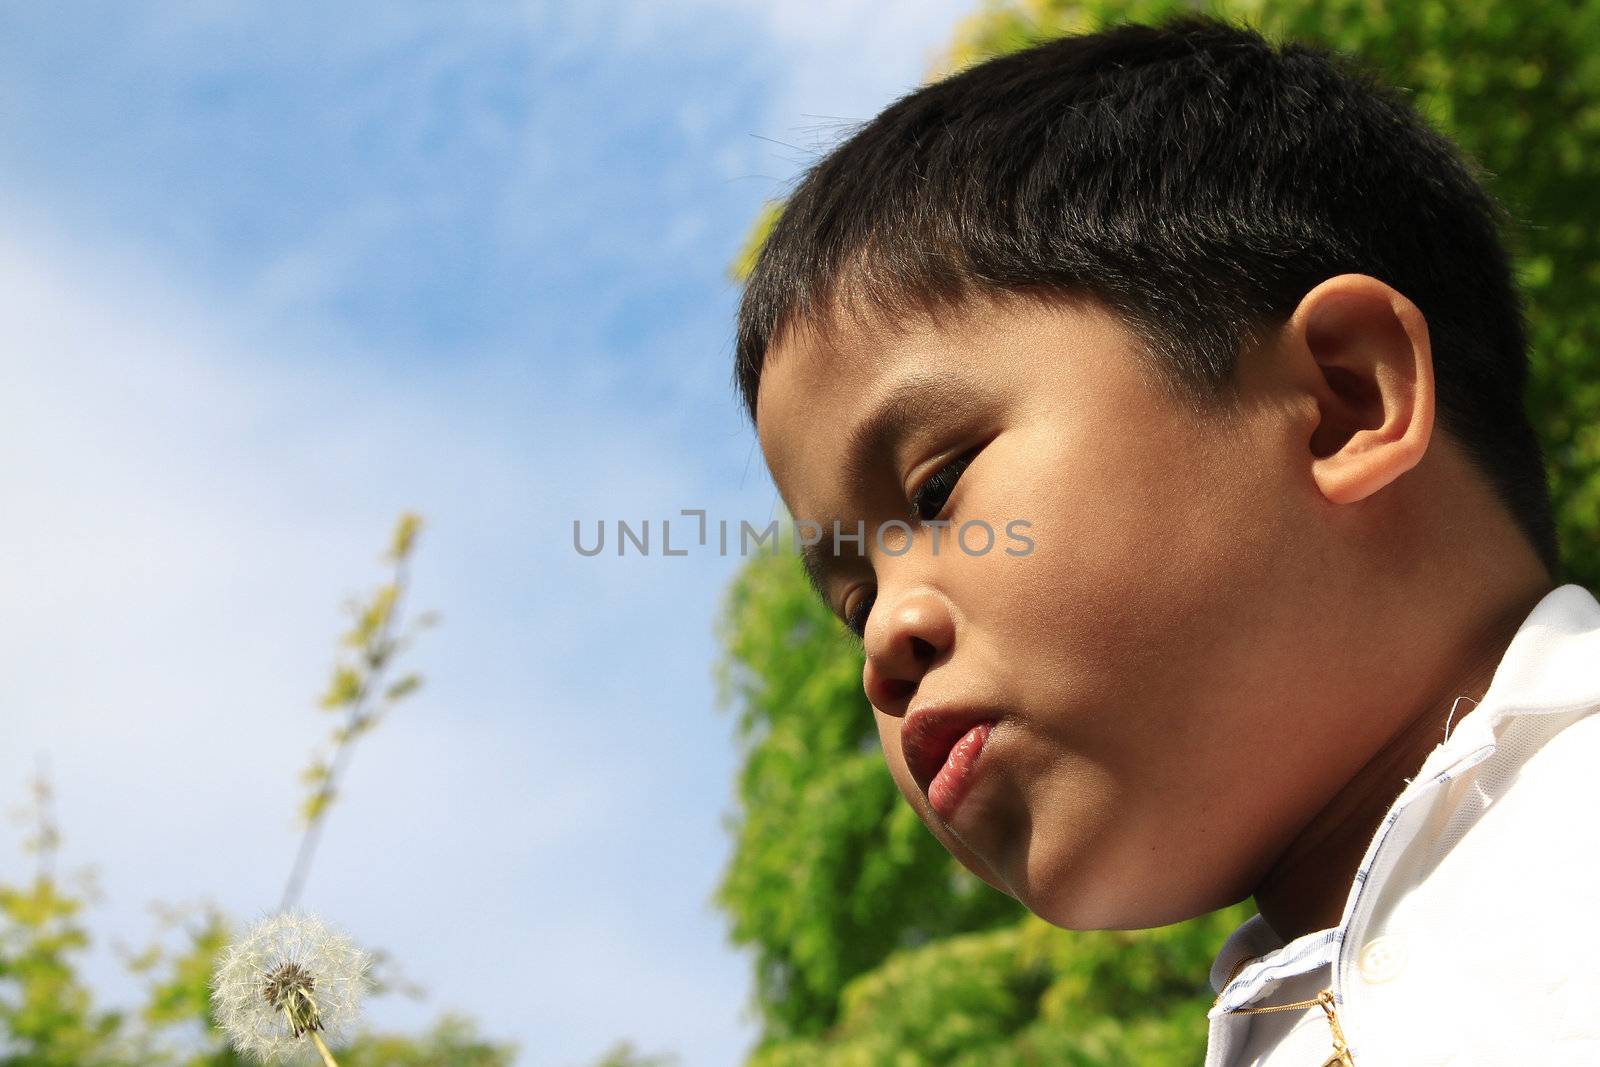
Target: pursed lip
{"type": "Point", "coordinates": [930, 733]}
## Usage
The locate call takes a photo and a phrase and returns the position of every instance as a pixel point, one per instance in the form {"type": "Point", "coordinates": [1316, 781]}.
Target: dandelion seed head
{"type": "Point", "coordinates": [288, 975]}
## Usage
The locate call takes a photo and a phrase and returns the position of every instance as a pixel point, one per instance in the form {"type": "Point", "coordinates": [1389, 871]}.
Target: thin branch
{"type": "Point", "coordinates": [47, 835]}
{"type": "Point", "coordinates": [376, 653]}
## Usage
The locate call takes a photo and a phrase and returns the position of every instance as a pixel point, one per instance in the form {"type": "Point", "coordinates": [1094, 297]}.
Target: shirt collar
{"type": "Point", "coordinates": [1252, 938]}
{"type": "Point", "coordinates": [1549, 666]}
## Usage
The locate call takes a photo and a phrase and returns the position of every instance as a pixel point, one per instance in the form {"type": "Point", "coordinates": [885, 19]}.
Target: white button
{"type": "Point", "coordinates": [1382, 958]}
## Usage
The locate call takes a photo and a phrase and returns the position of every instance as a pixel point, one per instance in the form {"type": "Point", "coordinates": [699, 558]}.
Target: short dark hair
{"type": "Point", "coordinates": [1197, 181]}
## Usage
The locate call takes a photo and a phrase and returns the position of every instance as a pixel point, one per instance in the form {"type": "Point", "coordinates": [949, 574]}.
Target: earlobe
{"type": "Point", "coordinates": [1373, 381]}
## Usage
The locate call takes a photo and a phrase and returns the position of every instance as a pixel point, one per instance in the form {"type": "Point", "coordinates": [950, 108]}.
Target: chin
{"type": "Point", "coordinates": [1125, 903]}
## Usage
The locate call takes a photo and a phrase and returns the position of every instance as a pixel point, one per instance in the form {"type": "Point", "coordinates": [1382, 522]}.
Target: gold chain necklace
{"type": "Point", "coordinates": [1324, 1000]}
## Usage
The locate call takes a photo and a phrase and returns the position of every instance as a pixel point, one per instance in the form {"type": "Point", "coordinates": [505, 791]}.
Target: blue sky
{"type": "Point", "coordinates": [271, 274]}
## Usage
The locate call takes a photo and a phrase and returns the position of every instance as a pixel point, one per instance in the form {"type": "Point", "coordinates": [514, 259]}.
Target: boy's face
{"type": "Point", "coordinates": [1154, 665]}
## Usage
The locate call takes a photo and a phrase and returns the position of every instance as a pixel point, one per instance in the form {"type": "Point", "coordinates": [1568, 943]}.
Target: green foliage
{"type": "Point", "coordinates": [623, 1054]}
{"type": "Point", "coordinates": [179, 989]}
{"type": "Point", "coordinates": [1025, 994]}
{"type": "Point", "coordinates": [745, 261]}
{"type": "Point", "coordinates": [873, 946]}
{"type": "Point", "coordinates": [453, 1040]}
{"type": "Point", "coordinates": [47, 1018]}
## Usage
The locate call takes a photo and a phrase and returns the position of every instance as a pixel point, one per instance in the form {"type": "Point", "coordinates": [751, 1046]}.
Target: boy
{"type": "Point", "coordinates": [1228, 332]}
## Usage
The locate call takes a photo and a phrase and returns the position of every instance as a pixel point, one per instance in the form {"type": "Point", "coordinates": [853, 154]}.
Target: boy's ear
{"type": "Point", "coordinates": [1365, 350]}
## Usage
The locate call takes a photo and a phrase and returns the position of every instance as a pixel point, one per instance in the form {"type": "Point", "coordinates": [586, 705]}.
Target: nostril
{"type": "Point", "coordinates": [923, 651]}
{"type": "Point", "coordinates": [894, 690]}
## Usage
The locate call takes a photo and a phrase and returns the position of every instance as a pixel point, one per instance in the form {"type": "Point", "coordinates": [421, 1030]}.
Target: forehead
{"type": "Point", "coordinates": [821, 381]}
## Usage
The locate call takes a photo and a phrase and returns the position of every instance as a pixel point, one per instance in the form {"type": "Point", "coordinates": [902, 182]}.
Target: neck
{"type": "Point", "coordinates": [1307, 886]}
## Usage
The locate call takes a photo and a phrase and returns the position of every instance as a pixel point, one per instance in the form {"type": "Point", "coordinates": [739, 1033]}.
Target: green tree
{"type": "Point", "coordinates": [47, 1016]}
{"type": "Point", "coordinates": [872, 945]}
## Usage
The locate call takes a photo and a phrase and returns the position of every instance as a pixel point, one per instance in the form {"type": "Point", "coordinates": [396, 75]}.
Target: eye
{"type": "Point", "coordinates": [929, 500]}
{"type": "Point", "coordinates": [856, 618]}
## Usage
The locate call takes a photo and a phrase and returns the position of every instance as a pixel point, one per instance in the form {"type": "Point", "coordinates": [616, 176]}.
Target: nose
{"type": "Point", "coordinates": [904, 640]}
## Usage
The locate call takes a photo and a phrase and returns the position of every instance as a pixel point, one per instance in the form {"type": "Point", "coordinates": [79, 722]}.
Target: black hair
{"type": "Point", "coordinates": [1197, 181]}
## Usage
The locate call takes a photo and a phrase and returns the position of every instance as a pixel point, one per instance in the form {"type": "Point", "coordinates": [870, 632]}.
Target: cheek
{"type": "Point", "coordinates": [1143, 574]}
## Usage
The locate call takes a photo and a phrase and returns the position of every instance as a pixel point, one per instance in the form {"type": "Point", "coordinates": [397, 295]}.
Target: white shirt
{"type": "Point", "coordinates": [1471, 934]}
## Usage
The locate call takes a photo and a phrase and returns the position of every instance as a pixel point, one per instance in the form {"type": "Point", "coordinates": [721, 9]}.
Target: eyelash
{"type": "Point", "coordinates": [943, 480]}
{"type": "Point", "coordinates": [863, 609]}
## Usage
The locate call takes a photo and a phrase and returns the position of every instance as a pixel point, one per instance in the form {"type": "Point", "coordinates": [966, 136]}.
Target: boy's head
{"type": "Point", "coordinates": [1188, 306]}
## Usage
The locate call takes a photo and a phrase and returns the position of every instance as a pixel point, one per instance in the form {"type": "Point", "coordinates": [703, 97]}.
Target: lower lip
{"type": "Point", "coordinates": [955, 777]}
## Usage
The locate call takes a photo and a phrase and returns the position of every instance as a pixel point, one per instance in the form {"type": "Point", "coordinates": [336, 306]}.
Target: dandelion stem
{"type": "Point", "coordinates": [327, 1057]}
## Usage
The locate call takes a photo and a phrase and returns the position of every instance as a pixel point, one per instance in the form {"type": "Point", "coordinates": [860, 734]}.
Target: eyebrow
{"type": "Point", "coordinates": [909, 402]}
